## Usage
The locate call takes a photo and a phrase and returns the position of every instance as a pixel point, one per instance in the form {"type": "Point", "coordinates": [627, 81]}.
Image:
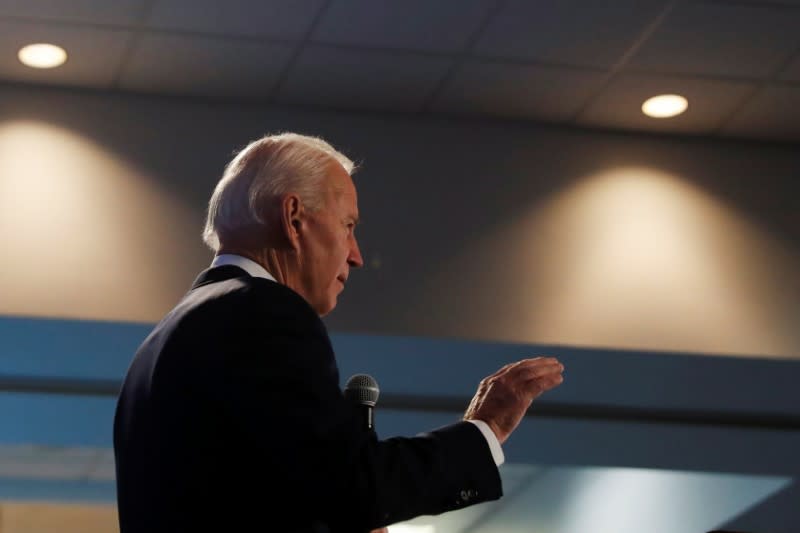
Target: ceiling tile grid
{"type": "Point", "coordinates": [740, 40]}
{"type": "Point", "coordinates": [271, 19]}
{"type": "Point", "coordinates": [120, 12]}
{"type": "Point", "coordinates": [205, 66]}
{"type": "Point", "coordinates": [518, 90]}
{"type": "Point", "coordinates": [774, 112]}
{"type": "Point", "coordinates": [571, 32]}
{"type": "Point", "coordinates": [563, 61]}
{"type": "Point", "coordinates": [362, 79]}
{"type": "Point", "coordinates": [441, 26]}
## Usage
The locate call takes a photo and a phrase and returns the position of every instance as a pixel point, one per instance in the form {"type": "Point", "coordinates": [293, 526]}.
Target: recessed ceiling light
{"type": "Point", "coordinates": [665, 106]}
{"type": "Point", "coordinates": [42, 55]}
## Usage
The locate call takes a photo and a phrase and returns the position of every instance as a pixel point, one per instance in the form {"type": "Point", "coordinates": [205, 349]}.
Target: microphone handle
{"type": "Point", "coordinates": [367, 417]}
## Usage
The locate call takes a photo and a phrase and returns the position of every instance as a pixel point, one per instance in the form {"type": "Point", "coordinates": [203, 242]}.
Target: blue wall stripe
{"type": "Point", "coordinates": [65, 491]}
{"type": "Point", "coordinates": [426, 367]}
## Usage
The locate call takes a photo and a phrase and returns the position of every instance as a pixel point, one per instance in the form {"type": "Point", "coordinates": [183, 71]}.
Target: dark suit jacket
{"type": "Point", "coordinates": [231, 418]}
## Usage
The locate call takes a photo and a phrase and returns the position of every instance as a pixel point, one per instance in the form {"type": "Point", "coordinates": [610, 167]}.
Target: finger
{"type": "Point", "coordinates": [538, 372]}
{"type": "Point", "coordinates": [555, 380]}
{"type": "Point", "coordinates": [535, 388]}
{"type": "Point", "coordinates": [540, 361]}
{"type": "Point", "coordinates": [550, 382]}
{"type": "Point", "coordinates": [525, 363]}
{"type": "Point", "coordinates": [548, 362]}
{"type": "Point", "coordinates": [536, 363]}
{"type": "Point", "coordinates": [526, 369]}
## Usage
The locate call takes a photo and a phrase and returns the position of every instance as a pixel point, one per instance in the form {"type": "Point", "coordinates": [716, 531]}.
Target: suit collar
{"type": "Point", "coordinates": [220, 273]}
{"type": "Point", "coordinates": [250, 266]}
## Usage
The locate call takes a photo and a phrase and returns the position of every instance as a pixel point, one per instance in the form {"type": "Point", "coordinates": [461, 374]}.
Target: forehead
{"type": "Point", "coordinates": [341, 186]}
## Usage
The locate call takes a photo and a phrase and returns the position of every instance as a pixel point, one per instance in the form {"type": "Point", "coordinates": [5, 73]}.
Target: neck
{"type": "Point", "coordinates": [277, 262]}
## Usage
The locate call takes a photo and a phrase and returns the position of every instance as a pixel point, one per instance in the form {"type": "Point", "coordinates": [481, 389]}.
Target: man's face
{"type": "Point", "coordinates": [329, 248]}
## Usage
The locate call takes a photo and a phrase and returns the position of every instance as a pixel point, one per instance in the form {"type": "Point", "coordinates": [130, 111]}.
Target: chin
{"type": "Point", "coordinates": [326, 307]}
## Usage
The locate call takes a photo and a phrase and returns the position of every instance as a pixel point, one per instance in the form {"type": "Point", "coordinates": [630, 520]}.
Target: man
{"type": "Point", "coordinates": [231, 417]}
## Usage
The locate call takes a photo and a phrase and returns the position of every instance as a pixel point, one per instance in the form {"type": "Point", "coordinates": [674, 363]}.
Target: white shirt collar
{"type": "Point", "coordinates": [248, 265]}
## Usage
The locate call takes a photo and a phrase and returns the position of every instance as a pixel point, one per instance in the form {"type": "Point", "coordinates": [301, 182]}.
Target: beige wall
{"type": "Point", "coordinates": [81, 229]}
{"type": "Point", "coordinates": [36, 517]}
{"type": "Point", "coordinates": [480, 230]}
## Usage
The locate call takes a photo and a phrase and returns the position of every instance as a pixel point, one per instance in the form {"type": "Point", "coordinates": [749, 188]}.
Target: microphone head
{"type": "Point", "coordinates": [362, 389]}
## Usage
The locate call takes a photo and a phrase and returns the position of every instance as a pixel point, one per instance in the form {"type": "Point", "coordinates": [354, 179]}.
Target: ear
{"type": "Point", "coordinates": [292, 215]}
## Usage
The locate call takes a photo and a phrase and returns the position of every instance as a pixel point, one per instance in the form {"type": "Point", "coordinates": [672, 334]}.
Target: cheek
{"type": "Point", "coordinates": [339, 251]}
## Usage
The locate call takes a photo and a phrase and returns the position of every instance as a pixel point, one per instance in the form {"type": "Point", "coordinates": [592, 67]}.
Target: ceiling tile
{"type": "Point", "coordinates": [94, 54]}
{"type": "Point", "coordinates": [363, 79]}
{"type": "Point", "coordinates": [773, 113]}
{"type": "Point", "coordinates": [574, 32]}
{"type": "Point", "coordinates": [125, 12]}
{"type": "Point", "coordinates": [518, 91]}
{"type": "Point", "coordinates": [205, 66]}
{"type": "Point", "coordinates": [710, 102]}
{"type": "Point", "coordinates": [722, 39]}
{"type": "Point", "coordinates": [438, 26]}
{"type": "Point", "coordinates": [278, 19]}
{"type": "Point", "coordinates": [792, 71]}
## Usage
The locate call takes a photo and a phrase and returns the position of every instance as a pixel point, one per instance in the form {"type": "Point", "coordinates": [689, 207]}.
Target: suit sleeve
{"type": "Point", "coordinates": [281, 387]}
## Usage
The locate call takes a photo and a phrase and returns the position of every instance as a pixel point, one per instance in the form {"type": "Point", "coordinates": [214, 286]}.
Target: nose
{"type": "Point", "coordinates": [354, 258]}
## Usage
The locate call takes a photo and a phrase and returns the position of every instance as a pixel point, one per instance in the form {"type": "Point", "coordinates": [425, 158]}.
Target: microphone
{"type": "Point", "coordinates": [362, 389]}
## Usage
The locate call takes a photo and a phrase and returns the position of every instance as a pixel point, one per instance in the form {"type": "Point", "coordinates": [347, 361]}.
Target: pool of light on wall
{"type": "Point", "coordinates": [84, 232]}
{"type": "Point", "coordinates": [630, 258]}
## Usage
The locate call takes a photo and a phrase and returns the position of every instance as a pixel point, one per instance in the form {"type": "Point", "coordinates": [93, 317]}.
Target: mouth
{"type": "Point", "coordinates": [342, 280]}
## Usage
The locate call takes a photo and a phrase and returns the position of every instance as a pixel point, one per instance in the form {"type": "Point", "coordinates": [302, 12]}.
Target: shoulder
{"type": "Point", "coordinates": [252, 295]}
{"type": "Point", "coordinates": [241, 307]}
{"type": "Point", "coordinates": [240, 315]}
{"type": "Point", "coordinates": [263, 327]}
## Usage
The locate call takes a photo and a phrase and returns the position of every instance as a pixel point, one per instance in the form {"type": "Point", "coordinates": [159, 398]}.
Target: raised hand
{"type": "Point", "coordinates": [503, 398]}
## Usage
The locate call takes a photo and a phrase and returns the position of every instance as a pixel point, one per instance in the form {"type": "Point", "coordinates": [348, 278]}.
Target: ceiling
{"type": "Point", "coordinates": [588, 63]}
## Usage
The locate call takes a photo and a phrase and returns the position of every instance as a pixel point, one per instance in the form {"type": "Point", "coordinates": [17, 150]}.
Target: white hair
{"type": "Point", "coordinates": [267, 168]}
